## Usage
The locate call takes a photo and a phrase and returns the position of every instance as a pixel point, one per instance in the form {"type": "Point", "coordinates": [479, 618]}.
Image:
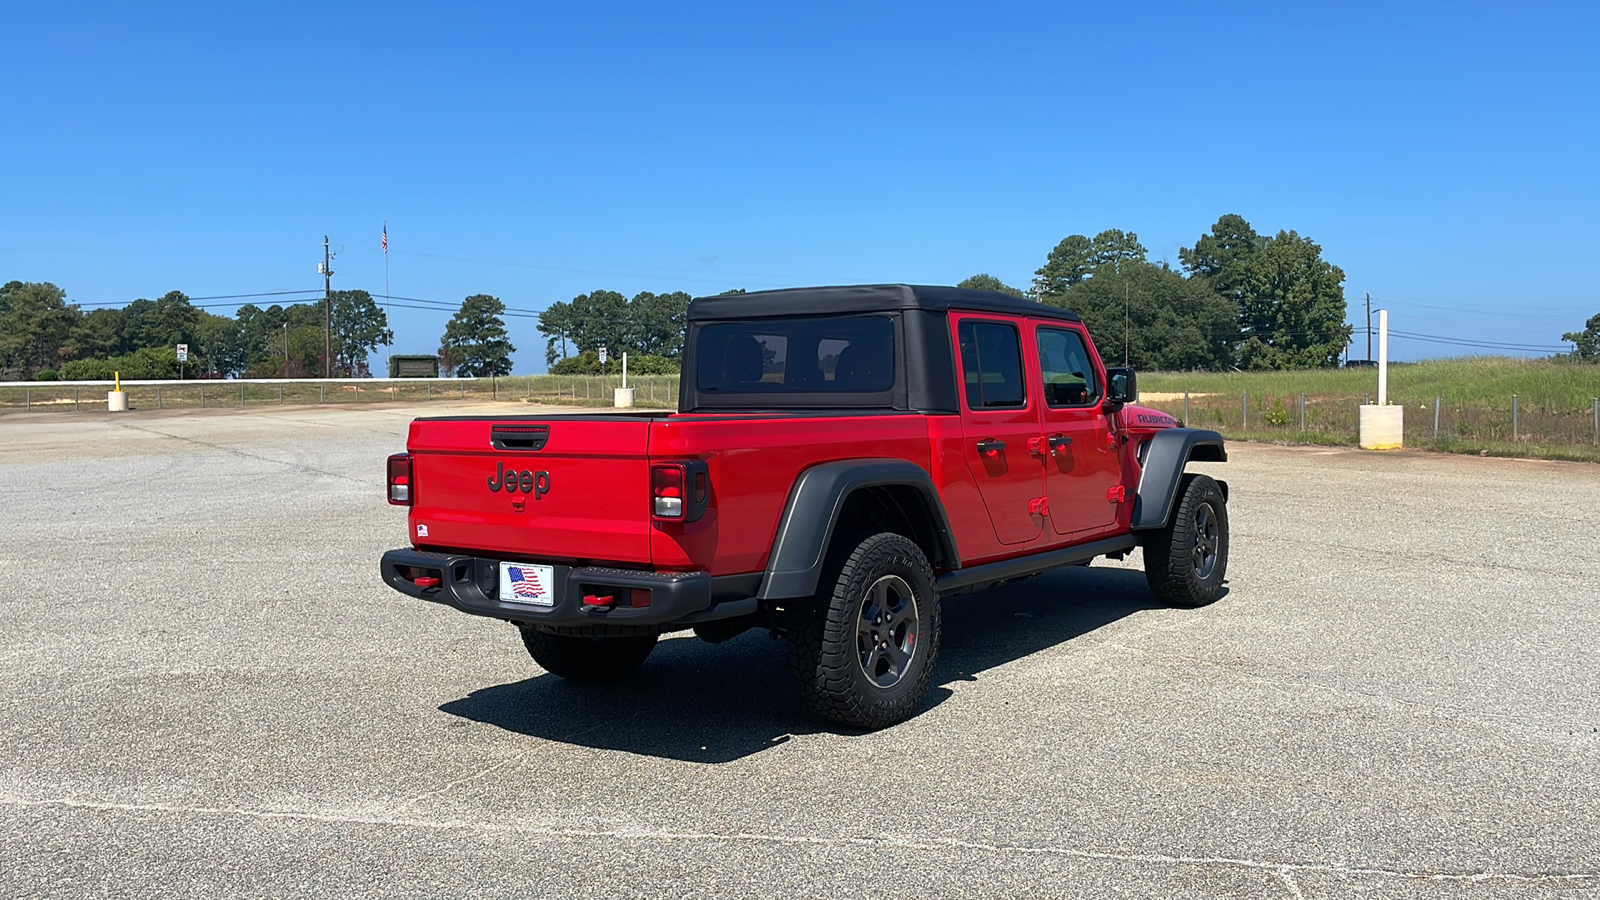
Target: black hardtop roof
{"type": "Point", "coordinates": [866, 298]}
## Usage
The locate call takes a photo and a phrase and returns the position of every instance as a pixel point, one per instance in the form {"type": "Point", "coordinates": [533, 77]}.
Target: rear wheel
{"type": "Point", "coordinates": [1186, 562]}
{"type": "Point", "coordinates": [863, 649]}
{"type": "Point", "coordinates": [588, 658]}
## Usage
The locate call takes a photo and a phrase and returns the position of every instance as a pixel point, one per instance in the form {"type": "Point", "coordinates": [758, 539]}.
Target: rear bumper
{"type": "Point", "coordinates": [471, 584]}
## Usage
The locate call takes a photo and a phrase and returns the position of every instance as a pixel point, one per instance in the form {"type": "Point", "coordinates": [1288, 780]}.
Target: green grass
{"type": "Point", "coordinates": [1554, 404]}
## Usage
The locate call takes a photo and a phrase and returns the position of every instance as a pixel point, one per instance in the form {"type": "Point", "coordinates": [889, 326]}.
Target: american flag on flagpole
{"type": "Point", "coordinates": [386, 237]}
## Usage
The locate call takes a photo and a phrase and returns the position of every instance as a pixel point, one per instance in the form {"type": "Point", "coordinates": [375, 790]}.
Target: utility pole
{"type": "Point", "coordinates": [1369, 328]}
{"type": "Point", "coordinates": [327, 308]}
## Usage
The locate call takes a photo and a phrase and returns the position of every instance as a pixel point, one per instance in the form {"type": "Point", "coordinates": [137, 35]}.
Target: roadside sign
{"type": "Point", "coordinates": [183, 353]}
{"type": "Point", "coordinates": [602, 356]}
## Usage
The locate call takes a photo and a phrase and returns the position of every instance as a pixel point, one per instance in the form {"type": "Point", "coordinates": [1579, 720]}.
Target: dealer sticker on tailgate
{"type": "Point", "coordinates": [521, 583]}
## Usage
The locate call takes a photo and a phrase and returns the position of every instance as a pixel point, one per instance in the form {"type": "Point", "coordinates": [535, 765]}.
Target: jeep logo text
{"type": "Point", "coordinates": [535, 483]}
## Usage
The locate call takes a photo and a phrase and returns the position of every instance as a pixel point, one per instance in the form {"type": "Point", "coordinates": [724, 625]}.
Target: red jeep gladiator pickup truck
{"type": "Point", "coordinates": [841, 459]}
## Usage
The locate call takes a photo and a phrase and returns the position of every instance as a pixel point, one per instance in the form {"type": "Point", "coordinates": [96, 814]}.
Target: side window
{"type": "Point", "coordinates": [991, 363]}
{"type": "Point", "coordinates": [1069, 378]}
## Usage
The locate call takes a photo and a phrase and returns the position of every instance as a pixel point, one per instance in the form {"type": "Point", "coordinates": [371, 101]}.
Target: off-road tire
{"type": "Point", "coordinates": [587, 658]}
{"type": "Point", "coordinates": [842, 675]}
{"type": "Point", "coordinates": [1187, 561]}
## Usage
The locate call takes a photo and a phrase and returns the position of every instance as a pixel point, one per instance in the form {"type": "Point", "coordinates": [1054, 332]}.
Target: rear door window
{"type": "Point", "coordinates": [991, 363]}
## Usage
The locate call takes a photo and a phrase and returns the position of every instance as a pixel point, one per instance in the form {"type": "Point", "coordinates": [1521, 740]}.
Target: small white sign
{"type": "Point", "coordinates": [183, 353]}
{"type": "Point", "coordinates": [602, 356]}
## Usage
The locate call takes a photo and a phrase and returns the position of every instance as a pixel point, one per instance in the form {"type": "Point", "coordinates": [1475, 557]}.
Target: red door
{"type": "Point", "coordinates": [1082, 464]}
{"type": "Point", "coordinates": [999, 419]}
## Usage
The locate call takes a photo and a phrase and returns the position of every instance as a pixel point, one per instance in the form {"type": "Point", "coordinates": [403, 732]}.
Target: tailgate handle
{"type": "Point", "coordinates": [519, 437]}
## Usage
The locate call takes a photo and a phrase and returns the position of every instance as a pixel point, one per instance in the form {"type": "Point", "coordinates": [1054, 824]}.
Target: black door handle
{"type": "Point", "coordinates": [991, 446]}
{"type": "Point", "coordinates": [1057, 441]}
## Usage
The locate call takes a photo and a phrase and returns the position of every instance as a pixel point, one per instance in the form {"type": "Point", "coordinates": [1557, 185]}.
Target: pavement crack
{"type": "Point", "coordinates": [1285, 871]}
{"type": "Point", "coordinates": [237, 452]}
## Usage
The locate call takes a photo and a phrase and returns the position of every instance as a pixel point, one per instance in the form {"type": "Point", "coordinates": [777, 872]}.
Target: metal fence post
{"type": "Point", "coordinates": [319, 393]}
{"type": "Point", "coordinates": [280, 394]}
{"type": "Point", "coordinates": [74, 399]}
{"type": "Point", "coordinates": [430, 390]}
{"type": "Point", "coordinates": [1302, 412]}
{"type": "Point", "coordinates": [27, 398]}
{"type": "Point", "coordinates": [1597, 420]}
{"type": "Point", "coordinates": [463, 387]}
{"type": "Point", "coordinates": [1514, 417]}
{"type": "Point", "coordinates": [1437, 401]}
{"type": "Point", "coordinates": [241, 393]}
{"type": "Point", "coordinates": [494, 383]}
{"type": "Point", "coordinates": [202, 396]}
{"type": "Point", "coordinates": [1186, 422]}
{"type": "Point", "coordinates": [158, 396]}
{"type": "Point", "coordinates": [1244, 409]}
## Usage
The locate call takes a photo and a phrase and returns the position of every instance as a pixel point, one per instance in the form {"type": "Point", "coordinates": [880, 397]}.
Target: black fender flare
{"type": "Point", "coordinates": [1168, 452]}
{"type": "Point", "coordinates": [818, 496]}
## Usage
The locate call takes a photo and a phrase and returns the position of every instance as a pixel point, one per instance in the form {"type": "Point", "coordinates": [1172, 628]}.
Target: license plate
{"type": "Point", "coordinates": [522, 583]}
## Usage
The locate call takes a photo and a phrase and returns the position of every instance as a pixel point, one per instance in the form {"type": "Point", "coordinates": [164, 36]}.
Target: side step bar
{"type": "Point", "coordinates": [976, 578]}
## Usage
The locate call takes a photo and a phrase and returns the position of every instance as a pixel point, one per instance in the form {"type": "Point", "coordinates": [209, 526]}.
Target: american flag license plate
{"type": "Point", "coordinates": [522, 583]}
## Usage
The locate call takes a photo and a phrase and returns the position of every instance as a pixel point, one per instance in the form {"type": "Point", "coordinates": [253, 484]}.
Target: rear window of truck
{"type": "Point", "coordinates": [821, 355]}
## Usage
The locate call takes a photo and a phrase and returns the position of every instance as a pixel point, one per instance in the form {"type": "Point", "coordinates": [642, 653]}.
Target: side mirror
{"type": "Point", "coordinates": [1121, 386]}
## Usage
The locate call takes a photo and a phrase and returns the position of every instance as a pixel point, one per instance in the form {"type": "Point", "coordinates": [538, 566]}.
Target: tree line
{"type": "Point", "coordinates": [1242, 300]}
{"type": "Point", "coordinates": [1239, 299]}
{"type": "Point", "coordinates": [44, 336]}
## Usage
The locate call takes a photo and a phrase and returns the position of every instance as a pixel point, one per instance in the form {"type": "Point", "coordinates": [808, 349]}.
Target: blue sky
{"type": "Point", "coordinates": [1444, 155]}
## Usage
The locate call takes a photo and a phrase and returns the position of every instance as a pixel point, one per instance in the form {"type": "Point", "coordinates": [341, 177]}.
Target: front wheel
{"type": "Point", "coordinates": [863, 649]}
{"type": "Point", "coordinates": [1185, 562]}
{"type": "Point", "coordinates": [588, 658]}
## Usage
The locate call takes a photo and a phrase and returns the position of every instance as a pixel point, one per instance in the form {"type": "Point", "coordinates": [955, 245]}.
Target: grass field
{"type": "Point", "coordinates": [1553, 418]}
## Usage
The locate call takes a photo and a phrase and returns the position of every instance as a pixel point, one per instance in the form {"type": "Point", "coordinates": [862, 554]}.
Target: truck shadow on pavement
{"type": "Point", "coordinates": [696, 702]}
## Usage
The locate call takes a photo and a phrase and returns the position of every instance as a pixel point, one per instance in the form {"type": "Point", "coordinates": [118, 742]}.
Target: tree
{"type": "Point", "coordinates": [1153, 317]}
{"type": "Point", "coordinates": [476, 336]}
{"type": "Point", "coordinates": [98, 334]}
{"type": "Point", "coordinates": [987, 282]}
{"type": "Point", "coordinates": [555, 323]}
{"type": "Point", "coordinates": [1587, 341]}
{"type": "Point", "coordinates": [600, 319]}
{"type": "Point", "coordinates": [1222, 258]}
{"type": "Point", "coordinates": [36, 325]}
{"type": "Point", "coordinates": [359, 327]}
{"type": "Point", "coordinates": [657, 322]}
{"type": "Point", "coordinates": [1076, 258]}
{"type": "Point", "coordinates": [1294, 310]}
{"type": "Point", "coordinates": [1113, 247]}
{"type": "Point", "coordinates": [1289, 300]}
{"type": "Point", "coordinates": [1067, 264]}
{"type": "Point", "coordinates": [169, 321]}
{"type": "Point", "coordinates": [219, 348]}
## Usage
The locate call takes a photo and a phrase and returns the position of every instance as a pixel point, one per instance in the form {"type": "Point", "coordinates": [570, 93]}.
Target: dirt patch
{"type": "Point", "coordinates": [1163, 396]}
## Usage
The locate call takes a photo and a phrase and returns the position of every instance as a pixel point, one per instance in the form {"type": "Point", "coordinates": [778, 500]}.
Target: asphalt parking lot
{"type": "Point", "coordinates": [208, 692]}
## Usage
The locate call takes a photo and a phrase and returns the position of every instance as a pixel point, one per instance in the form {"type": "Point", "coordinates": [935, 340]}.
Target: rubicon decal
{"type": "Point", "coordinates": [536, 483]}
{"type": "Point", "coordinates": [1157, 419]}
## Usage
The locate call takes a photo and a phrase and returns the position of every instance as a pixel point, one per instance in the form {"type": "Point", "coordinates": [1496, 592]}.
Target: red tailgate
{"type": "Point", "coordinates": [585, 495]}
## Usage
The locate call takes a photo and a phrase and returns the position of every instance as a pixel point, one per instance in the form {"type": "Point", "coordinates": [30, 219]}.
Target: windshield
{"type": "Point", "coordinates": [821, 355]}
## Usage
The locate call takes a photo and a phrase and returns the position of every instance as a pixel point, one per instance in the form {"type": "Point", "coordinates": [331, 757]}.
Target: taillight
{"type": "Point", "coordinates": [400, 487]}
{"type": "Point", "coordinates": [679, 491]}
{"type": "Point", "coordinates": [666, 483]}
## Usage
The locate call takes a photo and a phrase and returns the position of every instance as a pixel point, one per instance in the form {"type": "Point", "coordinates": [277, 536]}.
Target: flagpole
{"type": "Point", "coordinates": [388, 351]}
